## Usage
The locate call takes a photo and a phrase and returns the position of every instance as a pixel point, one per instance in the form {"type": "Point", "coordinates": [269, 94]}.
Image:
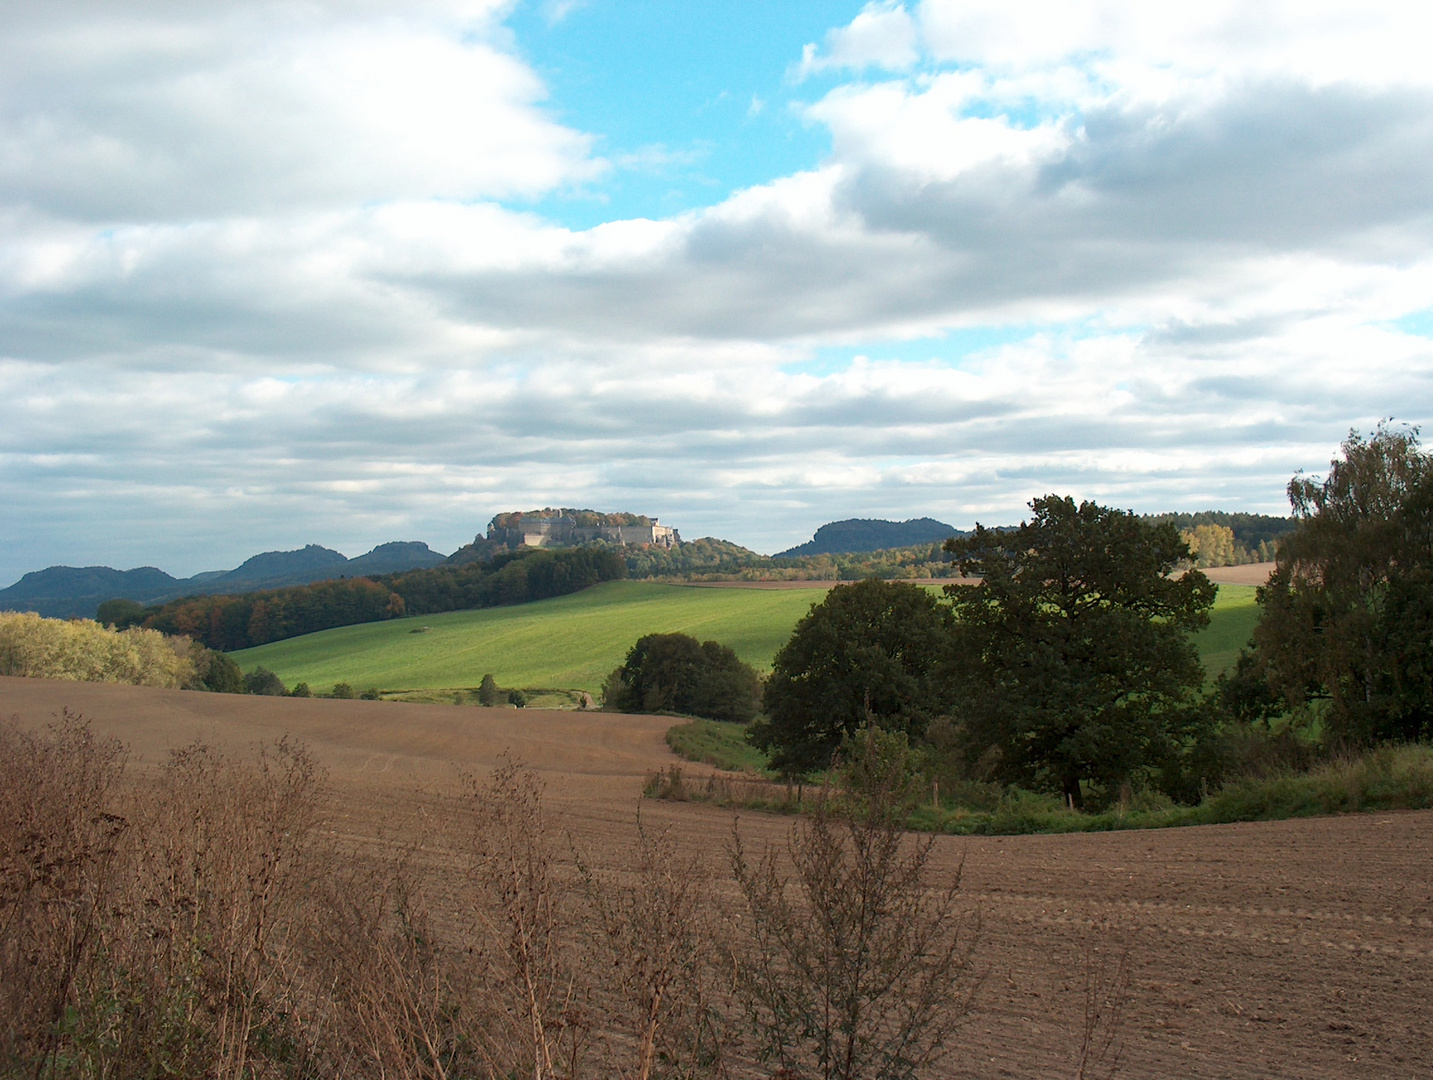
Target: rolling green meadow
{"type": "Point", "coordinates": [568, 642]}
{"type": "Point", "coordinates": [572, 642]}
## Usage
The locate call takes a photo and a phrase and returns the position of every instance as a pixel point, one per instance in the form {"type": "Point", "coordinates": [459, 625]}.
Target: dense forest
{"type": "Point", "coordinates": [237, 622]}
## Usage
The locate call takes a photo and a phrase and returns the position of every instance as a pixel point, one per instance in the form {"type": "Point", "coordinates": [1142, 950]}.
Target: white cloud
{"type": "Point", "coordinates": [555, 11]}
{"type": "Point", "coordinates": [249, 109]}
{"type": "Point", "coordinates": [1322, 42]}
{"type": "Point", "coordinates": [266, 277]}
{"type": "Point", "coordinates": [882, 36]}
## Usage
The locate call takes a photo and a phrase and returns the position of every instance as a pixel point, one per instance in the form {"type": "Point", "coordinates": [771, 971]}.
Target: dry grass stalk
{"type": "Point", "coordinates": [396, 995]}
{"type": "Point", "coordinates": [526, 965]}
{"type": "Point", "coordinates": [658, 934]}
{"type": "Point", "coordinates": [1106, 992]}
{"type": "Point", "coordinates": [198, 925]}
{"type": "Point", "coordinates": [226, 846]}
{"type": "Point", "coordinates": [147, 934]}
{"type": "Point", "coordinates": [59, 843]}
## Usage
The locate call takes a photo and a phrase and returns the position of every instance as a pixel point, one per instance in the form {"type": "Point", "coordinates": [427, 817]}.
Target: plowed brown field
{"type": "Point", "coordinates": [1286, 949]}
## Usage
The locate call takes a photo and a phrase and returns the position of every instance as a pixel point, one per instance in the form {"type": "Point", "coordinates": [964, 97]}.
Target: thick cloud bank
{"type": "Point", "coordinates": [272, 274]}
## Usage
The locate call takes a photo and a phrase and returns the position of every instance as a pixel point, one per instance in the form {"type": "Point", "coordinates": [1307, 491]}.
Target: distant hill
{"type": "Point", "coordinates": [64, 591]}
{"type": "Point", "coordinates": [871, 534]}
{"type": "Point", "coordinates": [68, 591]}
{"type": "Point", "coordinates": [392, 557]}
{"type": "Point", "coordinates": [273, 567]}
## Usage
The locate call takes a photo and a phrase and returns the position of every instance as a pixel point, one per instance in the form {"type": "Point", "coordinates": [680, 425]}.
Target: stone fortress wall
{"type": "Point", "coordinates": [562, 528]}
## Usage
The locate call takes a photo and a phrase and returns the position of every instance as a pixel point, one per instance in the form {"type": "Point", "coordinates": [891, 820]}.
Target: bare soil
{"type": "Point", "coordinates": [1283, 949]}
{"type": "Point", "coordinates": [1248, 574]}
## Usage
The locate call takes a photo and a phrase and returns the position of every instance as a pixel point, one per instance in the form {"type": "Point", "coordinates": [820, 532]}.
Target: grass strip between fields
{"type": "Point", "coordinates": [1383, 779]}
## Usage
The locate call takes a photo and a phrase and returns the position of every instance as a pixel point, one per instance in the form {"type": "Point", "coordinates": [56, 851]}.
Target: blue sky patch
{"type": "Point", "coordinates": [1420, 323]}
{"type": "Point", "coordinates": [689, 102]}
{"type": "Point", "coordinates": [946, 350]}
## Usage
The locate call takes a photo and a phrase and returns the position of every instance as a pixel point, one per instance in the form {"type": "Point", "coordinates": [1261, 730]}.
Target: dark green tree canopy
{"type": "Point", "coordinates": [218, 672]}
{"type": "Point", "coordinates": [1348, 613]}
{"type": "Point", "coordinates": [677, 673]}
{"type": "Point", "coordinates": [263, 681]}
{"type": "Point", "coordinates": [120, 613]}
{"type": "Point", "coordinates": [488, 693]}
{"type": "Point", "coordinates": [1073, 660]}
{"type": "Point", "coordinates": [866, 655]}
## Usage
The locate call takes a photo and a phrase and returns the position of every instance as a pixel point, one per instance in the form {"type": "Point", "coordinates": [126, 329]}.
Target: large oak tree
{"type": "Point", "coordinates": [1073, 661]}
{"type": "Point", "coordinates": [866, 655]}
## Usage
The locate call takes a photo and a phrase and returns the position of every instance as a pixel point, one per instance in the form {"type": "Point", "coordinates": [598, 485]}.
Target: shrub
{"type": "Point", "coordinates": [343, 692]}
{"type": "Point", "coordinates": [221, 674]}
{"type": "Point", "coordinates": [676, 673]}
{"type": "Point", "coordinates": [119, 614]}
{"type": "Point", "coordinates": [488, 693]}
{"type": "Point", "coordinates": [857, 968]}
{"type": "Point", "coordinates": [81, 650]}
{"type": "Point", "coordinates": [263, 681]}
{"type": "Point", "coordinates": [867, 654]}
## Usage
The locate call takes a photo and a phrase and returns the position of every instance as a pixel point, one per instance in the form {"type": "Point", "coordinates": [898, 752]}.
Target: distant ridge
{"type": "Point", "coordinates": [871, 534]}
{"type": "Point", "coordinates": [62, 592]}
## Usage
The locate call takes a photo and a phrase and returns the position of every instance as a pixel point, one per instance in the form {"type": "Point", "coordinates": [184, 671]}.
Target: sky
{"type": "Point", "coordinates": [277, 273]}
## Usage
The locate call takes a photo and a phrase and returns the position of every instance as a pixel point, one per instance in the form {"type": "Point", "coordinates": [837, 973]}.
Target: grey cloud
{"type": "Point", "coordinates": [349, 470]}
{"type": "Point", "coordinates": [1138, 202]}
{"type": "Point", "coordinates": [1284, 165]}
{"type": "Point", "coordinates": [1183, 333]}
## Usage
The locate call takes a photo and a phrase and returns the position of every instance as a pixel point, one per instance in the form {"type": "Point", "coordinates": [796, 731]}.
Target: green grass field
{"type": "Point", "coordinates": [572, 642]}
{"type": "Point", "coordinates": [1230, 624]}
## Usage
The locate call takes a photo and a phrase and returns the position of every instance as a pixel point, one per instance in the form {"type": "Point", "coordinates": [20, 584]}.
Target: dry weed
{"type": "Point", "coordinates": [525, 962]}
{"type": "Point", "coordinates": [854, 968]}
{"type": "Point", "coordinates": [59, 843]}
{"type": "Point", "coordinates": [658, 936]}
{"type": "Point", "coordinates": [1106, 991]}
{"type": "Point", "coordinates": [201, 924]}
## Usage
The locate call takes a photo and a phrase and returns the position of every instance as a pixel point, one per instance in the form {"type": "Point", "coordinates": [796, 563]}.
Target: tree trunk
{"type": "Point", "coordinates": [1073, 799]}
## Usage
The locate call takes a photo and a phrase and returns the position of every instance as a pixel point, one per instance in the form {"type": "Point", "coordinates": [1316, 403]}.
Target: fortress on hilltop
{"type": "Point", "coordinates": [564, 527]}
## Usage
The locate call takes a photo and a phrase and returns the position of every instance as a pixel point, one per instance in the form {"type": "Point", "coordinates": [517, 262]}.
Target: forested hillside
{"type": "Point", "coordinates": [871, 534]}
{"type": "Point", "coordinates": [240, 621]}
{"type": "Point", "coordinates": [68, 591]}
